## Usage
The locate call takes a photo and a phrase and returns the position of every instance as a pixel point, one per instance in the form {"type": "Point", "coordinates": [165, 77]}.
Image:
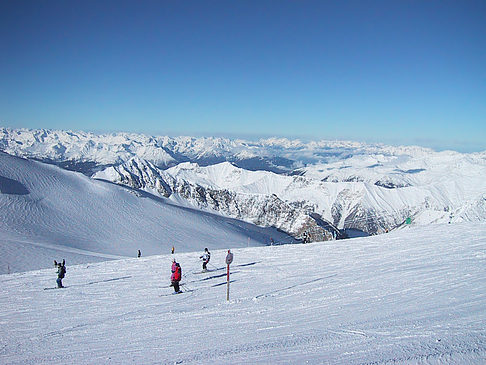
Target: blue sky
{"type": "Point", "coordinates": [397, 72]}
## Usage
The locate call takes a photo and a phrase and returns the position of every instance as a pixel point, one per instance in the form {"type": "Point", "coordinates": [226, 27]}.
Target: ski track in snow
{"type": "Point", "coordinates": [408, 297]}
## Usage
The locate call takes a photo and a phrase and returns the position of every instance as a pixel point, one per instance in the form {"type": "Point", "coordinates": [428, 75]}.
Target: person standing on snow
{"type": "Point", "coordinates": [176, 276]}
{"type": "Point", "coordinates": [205, 257]}
{"type": "Point", "coordinates": [61, 271]}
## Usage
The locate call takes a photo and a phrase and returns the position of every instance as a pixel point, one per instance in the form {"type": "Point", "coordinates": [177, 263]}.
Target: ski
{"type": "Point", "coordinates": [202, 272]}
{"type": "Point", "coordinates": [55, 288]}
{"type": "Point", "coordinates": [174, 293]}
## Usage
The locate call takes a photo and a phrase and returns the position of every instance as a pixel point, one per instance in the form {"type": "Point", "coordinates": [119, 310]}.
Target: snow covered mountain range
{"type": "Point", "coordinates": [321, 190]}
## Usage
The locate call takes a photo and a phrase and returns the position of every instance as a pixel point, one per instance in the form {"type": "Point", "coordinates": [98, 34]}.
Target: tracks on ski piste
{"type": "Point", "coordinates": [90, 283]}
{"type": "Point", "coordinates": [214, 277]}
{"type": "Point", "coordinates": [264, 295]}
{"type": "Point", "coordinates": [121, 316]}
{"type": "Point", "coordinates": [431, 353]}
{"type": "Point", "coordinates": [277, 346]}
{"type": "Point", "coordinates": [223, 283]}
{"type": "Point", "coordinates": [220, 275]}
{"type": "Point", "coordinates": [224, 267]}
{"type": "Point", "coordinates": [107, 280]}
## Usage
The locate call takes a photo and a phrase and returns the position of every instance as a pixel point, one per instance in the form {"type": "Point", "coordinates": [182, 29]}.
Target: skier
{"type": "Point", "coordinates": [61, 271]}
{"type": "Point", "coordinates": [139, 253]}
{"type": "Point", "coordinates": [176, 276]}
{"type": "Point", "coordinates": [205, 257]}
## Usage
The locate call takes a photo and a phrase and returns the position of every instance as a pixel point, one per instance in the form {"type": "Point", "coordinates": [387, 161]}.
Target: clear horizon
{"type": "Point", "coordinates": [398, 73]}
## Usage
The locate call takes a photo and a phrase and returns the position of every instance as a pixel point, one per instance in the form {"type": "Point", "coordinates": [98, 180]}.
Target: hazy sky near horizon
{"type": "Point", "coordinates": [396, 72]}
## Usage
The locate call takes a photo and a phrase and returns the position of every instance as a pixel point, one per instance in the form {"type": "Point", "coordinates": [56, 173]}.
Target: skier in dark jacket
{"type": "Point", "coordinates": [61, 271]}
{"type": "Point", "coordinates": [176, 276]}
{"type": "Point", "coordinates": [205, 257]}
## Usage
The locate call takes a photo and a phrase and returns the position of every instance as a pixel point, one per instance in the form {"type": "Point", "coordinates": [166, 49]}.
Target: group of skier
{"type": "Point", "coordinates": [175, 277]}
{"type": "Point", "coordinates": [176, 270]}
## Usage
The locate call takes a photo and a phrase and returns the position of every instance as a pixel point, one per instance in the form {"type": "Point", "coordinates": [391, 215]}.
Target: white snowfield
{"type": "Point", "coordinates": [438, 193]}
{"type": "Point", "coordinates": [414, 296]}
{"type": "Point", "coordinates": [49, 213]}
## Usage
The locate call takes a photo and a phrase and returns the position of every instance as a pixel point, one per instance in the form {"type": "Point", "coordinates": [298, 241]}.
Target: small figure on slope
{"type": "Point", "coordinates": [205, 257]}
{"type": "Point", "coordinates": [176, 276]}
{"type": "Point", "coordinates": [139, 253]}
{"type": "Point", "coordinates": [61, 271]}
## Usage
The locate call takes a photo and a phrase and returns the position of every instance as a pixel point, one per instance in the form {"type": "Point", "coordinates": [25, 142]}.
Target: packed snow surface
{"type": "Point", "coordinates": [414, 296]}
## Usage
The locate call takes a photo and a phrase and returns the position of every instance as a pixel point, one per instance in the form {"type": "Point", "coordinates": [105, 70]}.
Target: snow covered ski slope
{"type": "Point", "coordinates": [414, 296]}
{"type": "Point", "coordinates": [49, 213]}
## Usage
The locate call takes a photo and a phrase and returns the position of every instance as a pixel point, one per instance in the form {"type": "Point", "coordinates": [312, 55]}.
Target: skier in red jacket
{"type": "Point", "coordinates": [176, 276]}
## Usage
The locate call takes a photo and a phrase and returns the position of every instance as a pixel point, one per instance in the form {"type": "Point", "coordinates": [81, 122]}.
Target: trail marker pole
{"type": "Point", "coordinates": [227, 283]}
{"type": "Point", "coordinates": [229, 260]}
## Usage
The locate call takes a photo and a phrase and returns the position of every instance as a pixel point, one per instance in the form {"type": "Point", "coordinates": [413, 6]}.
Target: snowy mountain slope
{"type": "Point", "coordinates": [408, 297]}
{"type": "Point", "coordinates": [443, 182]}
{"type": "Point", "coordinates": [50, 213]}
{"type": "Point", "coordinates": [371, 188]}
{"type": "Point", "coordinates": [289, 202]}
{"type": "Point", "coordinates": [263, 209]}
{"type": "Point", "coordinates": [400, 170]}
